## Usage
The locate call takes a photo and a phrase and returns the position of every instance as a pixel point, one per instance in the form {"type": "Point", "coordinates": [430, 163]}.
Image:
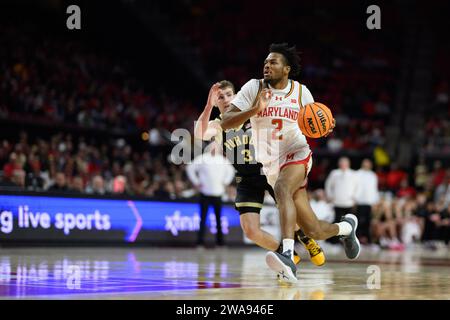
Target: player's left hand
{"type": "Point", "coordinates": [331, 128]}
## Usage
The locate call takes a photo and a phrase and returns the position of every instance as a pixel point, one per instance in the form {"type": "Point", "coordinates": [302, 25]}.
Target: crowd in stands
{"type": "Point", "coordinates": [437, 113]}
{"type": "Point", "coordinates": [67, 165]}
{"type": "Point", "coordinates": [415, 206]}
{"type": "Point", "coordinates": [49, 80]}
{"type": "Point", "coordinates": [404, 208]}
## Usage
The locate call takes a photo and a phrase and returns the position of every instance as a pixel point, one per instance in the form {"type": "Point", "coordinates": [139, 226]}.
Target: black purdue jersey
{"type": "Point", "coordinates": [238, 148]}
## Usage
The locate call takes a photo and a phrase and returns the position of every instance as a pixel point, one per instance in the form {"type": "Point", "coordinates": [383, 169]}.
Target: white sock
{"type": "Point", "coordinates": [345, 228]}
{"type": "Point", "coordinates": [288, 244]}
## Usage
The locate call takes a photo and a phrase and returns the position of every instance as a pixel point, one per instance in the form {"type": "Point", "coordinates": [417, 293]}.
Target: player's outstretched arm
{"type": "Point", "coordinates": [202, 129]}
{"type": "Point", "coordinates": [234, 117]}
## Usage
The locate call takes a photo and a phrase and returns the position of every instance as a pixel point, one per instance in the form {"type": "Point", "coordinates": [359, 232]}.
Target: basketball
{"type": "Point", "coordinates": [315, 119]}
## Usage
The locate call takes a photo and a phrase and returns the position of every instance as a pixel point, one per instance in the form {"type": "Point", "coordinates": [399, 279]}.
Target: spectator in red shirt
{"type": "Point", "coordinates": [405, 189]}
{"type": "Point", "coordinates": [13, 164]}
{"type": "Point", "coordinates": [438, 174]}
{"type": "Point", "coordinates": [382, 178]}
{"type": "Point", "coordinates": [395, 177]}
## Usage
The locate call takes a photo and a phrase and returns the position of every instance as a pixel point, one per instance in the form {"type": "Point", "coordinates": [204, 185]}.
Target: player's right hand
{"type": "Point", "coordinates": [264, 98]}
{"type": "Point", "coordinates": [333, 125]}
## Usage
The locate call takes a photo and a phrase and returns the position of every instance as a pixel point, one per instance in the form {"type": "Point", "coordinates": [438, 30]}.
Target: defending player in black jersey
{"type": "Point", "coordinates": [237, 146]}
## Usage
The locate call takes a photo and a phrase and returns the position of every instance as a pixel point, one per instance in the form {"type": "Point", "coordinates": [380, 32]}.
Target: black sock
{"type": "Point", "coordinates": [299, 235]}
{"type": "Point", "coordinates": [280, 248]}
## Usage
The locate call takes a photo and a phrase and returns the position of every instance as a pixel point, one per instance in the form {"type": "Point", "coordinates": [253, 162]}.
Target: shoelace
{"type": "Point", "coordinates": [313, 248]}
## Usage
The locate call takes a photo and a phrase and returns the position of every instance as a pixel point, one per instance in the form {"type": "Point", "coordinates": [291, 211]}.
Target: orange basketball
{"type": "Point", "coordinates": [315, 119]}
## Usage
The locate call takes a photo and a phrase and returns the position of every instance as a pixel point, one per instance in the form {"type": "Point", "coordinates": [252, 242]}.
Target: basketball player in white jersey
{"type": "Point", "coordinates": [273, 106]}
{"type": "Point", "coordinates": [237, 146]}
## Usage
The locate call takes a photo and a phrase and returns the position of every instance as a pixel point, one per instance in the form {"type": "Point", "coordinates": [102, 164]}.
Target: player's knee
{"type": "Point", "coordinates": [281, 190]}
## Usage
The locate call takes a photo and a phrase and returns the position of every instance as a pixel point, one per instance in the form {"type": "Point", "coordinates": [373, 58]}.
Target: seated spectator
{"type": "Point", "coordinates": [182, 191]}
{"type": "Point", "coordinates": [438, 174]}
{"type": "Point", "coordinates": [119, 185]}
{"type": "Point", "coordinates": [405, 189]}
{"type": "Point", "coordinates": [165, 191]}
{"type": "Point", "coordinates": [442, 192]}
{"type": "Point", "coordinates": [97, 186]}
{"type": "Point", "coordinates": [14, 163]}
{"type": "Point", "coordinates": [395, 177]}
{"type": "Point", "coordinates": [381, 157]}
{"type": "Point", "coordinates": [384, 225]}
{"type": "Point", "coordinates": [16, 181]}
{"type": "Point", "coordinates": [77, 185]}
{"type": "Point", "coordinates": [60, 184]}
{"type": "Point", "coordinates": [18, 178]}
{"type": "Point", "coordinates": [421, 176]}
{"type": "Point", "coordinates": [410, 224]}
{"type": "Point", "coordinates": [323, 209]}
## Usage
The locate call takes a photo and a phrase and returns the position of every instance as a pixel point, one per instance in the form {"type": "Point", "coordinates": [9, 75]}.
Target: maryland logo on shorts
{"type": "Point", "coordinates": [290, 157]}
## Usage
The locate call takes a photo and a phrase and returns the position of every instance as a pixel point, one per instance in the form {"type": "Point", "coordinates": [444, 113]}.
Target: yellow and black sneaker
{"type": "Point", "coordinates": [316, 253]}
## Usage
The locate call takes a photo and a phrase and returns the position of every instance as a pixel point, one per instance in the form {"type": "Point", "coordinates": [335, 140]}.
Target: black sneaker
{"type": "Point", "coordinates": [351, 243]}
{"type": "Point", "coordinates": [283, 265]}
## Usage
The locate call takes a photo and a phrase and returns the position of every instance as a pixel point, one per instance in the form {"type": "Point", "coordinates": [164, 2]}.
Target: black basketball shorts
{"type": "Point", "coordinates": [250, 193]}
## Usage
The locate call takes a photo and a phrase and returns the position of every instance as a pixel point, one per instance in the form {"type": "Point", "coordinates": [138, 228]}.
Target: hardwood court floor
{"type": "Point", "coordinates": [226, 273]}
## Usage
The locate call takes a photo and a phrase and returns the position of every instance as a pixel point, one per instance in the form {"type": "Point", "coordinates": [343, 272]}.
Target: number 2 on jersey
{"type": "Point", "coordinates": [275, 133]}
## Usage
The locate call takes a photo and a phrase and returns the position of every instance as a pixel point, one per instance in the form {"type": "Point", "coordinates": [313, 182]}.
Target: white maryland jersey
{"type": "Point", "coordinates": [275, 130]}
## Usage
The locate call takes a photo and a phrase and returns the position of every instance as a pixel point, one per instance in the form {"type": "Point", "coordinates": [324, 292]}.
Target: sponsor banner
{"type": "Point", "coordinates": [46, 218]}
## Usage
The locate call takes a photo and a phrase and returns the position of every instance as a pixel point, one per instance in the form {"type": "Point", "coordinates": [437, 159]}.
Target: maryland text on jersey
{"type": "Point", "coordinates": [279, 112]}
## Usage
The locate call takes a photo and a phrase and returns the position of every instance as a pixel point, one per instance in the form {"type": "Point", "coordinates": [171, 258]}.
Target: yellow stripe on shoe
{"type": "Point", "coordinates": [296, 259]}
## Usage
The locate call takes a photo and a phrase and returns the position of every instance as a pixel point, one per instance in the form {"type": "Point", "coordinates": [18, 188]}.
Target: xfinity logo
{"type": "Point", "coordinates": [177, 222]}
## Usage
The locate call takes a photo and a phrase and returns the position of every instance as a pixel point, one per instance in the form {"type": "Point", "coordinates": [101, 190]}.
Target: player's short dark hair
{"type": "Point", "coordinates": [290, 54]}
{"type": "Point", "coordinates": [226, 84]}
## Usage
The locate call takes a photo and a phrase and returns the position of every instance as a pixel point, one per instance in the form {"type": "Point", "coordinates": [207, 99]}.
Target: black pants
{"type": "Point", "coordinates": [205, 202]}
{"type": "Point", "coordinates": [364, 214]}
{"type": "Point", "coordinates": [339, 212]}
{"type": "Point", "coordinates": [431, 231]}
{"type": "Point", "coordinates": [444, 234]}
